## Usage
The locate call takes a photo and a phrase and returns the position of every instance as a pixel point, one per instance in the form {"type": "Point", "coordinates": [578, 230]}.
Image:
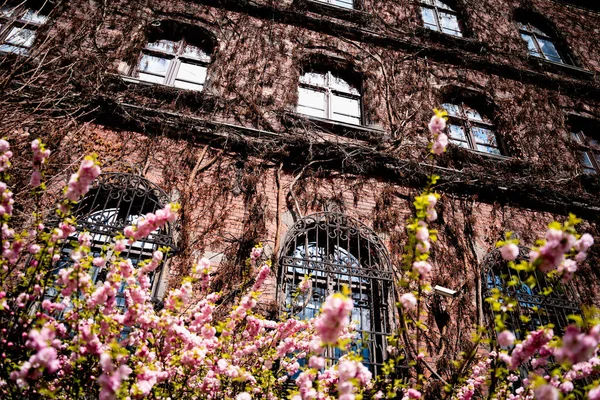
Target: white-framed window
{"type": "Point", "coordinates": [349, 4]}
{"type": "Point", "coordinates": [181, 64]}
{"type": "Point", "coordinates": [18, 27]}
{"type": "Point", "coordinates": [439, 16]}
{"type": "Point", "coordinates": [539, 43]}
{"type": "Point", "coordinates": [589, 151]}
{"type": "Point", "coordinates": [469, 129]}
{"type": "Point", "coordinates": [327, 95]}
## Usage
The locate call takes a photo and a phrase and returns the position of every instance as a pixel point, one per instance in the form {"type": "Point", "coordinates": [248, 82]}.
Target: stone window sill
{"type": "Point", "coordinates": [360, 132]}
{"type": "Point", "coordinates": [461, 42]}
{"type": "Point", "coordinates": [561, 68]}
{"type": "Point", "coordinates": [352, 15]}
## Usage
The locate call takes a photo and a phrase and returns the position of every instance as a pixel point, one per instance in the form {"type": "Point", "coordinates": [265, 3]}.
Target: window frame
{"type": "Point", "coordinates": [10, 21]}
{"type": "Point", "coordinates": [437, 10]}
{"type": "Point", "coordinates": [329, 92]}
{"type": "Point", "coordinates": [588, 147]}
{"type": "Point", "coordinates": [176, 59]}
{"type": "Point", "coordinates": [536, 33]}
{"type": "Point", "coordinates": [331, 4]}
{"type": "Point", "coordinates": [468, 124]}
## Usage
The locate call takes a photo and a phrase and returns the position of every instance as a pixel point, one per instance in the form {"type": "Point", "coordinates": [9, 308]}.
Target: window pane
{"type": "Point", "coordinates": [452, 109]}
{"type": "Point", "coordinates": [549, 50]}
{"type": "Point", "coordinates": [313, 78]}
{"type": "Point", "coordinates": [488, 149]}
{"type": "Point", "coordinates": [442, 5]}
{"type": "Point", "coordinates": [345, 109]}
{"type": "Point", "coordinates": [7, 48]}
{"type": "Point", "coordinates": [166, 46]}
{"type": "Point", "coordinates": [188, 85]}
{"type": "Point", "coordinates": [191, 72]}
{"type": "Point", "coordinates": [311, 102]}
{"type": "Point", "coordinates": [460, 143]}
{"type": "Point", "coordinates": [484, 136]}
{"type": "Point", "coordinates": [530, 45]}
{"type": "Point", "coordinates": [456, 132]}
{"type": "Point", "coordinates": [473, 114]}
{"type": "Point", "coordinates": [33, 16]}
{"type": "Point", "coordinates": [429, 18]}
{"type": "Point", "coordinates": [449, 24]}
{"type": "Point", "coordinates": [342, 86]}
{"type": "Point", "coordinates": [153, 64]}
{"type": "Point", "coordinates": [585, 160]}
{"type": "Point", "coordinates": [195, 52]}
{"type": "Point", "coordinates": [22, 37]}
{"type": "Point", "coordinates": [343, 3]}
{"type": "Point", "coordinates": [151, 78]}
{"type": "Point", "coordinates": [6, 11]}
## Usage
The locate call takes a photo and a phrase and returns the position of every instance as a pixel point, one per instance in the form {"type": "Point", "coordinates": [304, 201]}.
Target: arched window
{"type": "Point", "coordinates": [540, 42]}
{"type": "Point", "coordinates": [175, 56]}
{"type": "Point", "coordinates": [336, 250]}
{"type": "Point", "coordinates": [349, 4]}
{"type": "Point", "coordinates": [533, 308]}
{"type": "Point", "coordinates": [19, 24]}
{"type": "Point", "coordinates": [439, 16]}
{"type": "Point", "coordinates": [327, 94]}
{"type": "Point", "coordinates": [469, 129]}
{"type": "Point", "coordinates": [115, 201]}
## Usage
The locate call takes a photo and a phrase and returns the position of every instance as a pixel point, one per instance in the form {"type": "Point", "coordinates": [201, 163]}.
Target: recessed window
{"type": "Point", "coordinates": [589, 150]}
{"type": "Point", "coordinates": [540, 43]}
{"type": "Point", "coordinates": [328, 95]}
{"type": "Point", "coordinates": [339, 3]}
{"type": "Point", "coordinates": [470, 129]}
{"type": "Point", "coordinates": [180, 61]}
{"type": "Point", "coordinates": [439, 16]}
{"type": "Point", "coordinates": [18, 27]}
{"type": "Point", "coordinates": [335, 250]}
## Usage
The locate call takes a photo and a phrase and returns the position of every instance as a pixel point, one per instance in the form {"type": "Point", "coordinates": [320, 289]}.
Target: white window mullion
{"type": "Point", "coordinates": [172, 71]}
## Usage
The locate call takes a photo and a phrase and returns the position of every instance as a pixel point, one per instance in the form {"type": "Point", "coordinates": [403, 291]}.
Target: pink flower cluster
{"type": "Point", "coordinates": [408, 301]}
{"type": "Point", "coordinates": [334, 317]}
{"type": "Point", "coordinates": [45, 359]}
{"type": "Point", "coordinates": [5, 155]}
{"type": "Point", "coordinates": [477, 379]}
{"type": "Point", "coordinates": [509, 251]}
{"type": "Point", "coordinates": [350, 371]}
{"type": "Point", "coordinates": [436, 126]}
{"type": "Point", "coordinates": [79, 184]}
{"type": "Point", "coordinates": [525, 350]}
{"type": "Point", "coordinates": [558, 243]}
{"type": "Point", "coordinates": [151, 222]}
{"type": "Point", "coordinates": [577, 346]}
{"type": "Point", "coordinates": [6, 200]}
{"type": "Point", "coordinates": [40, 156]}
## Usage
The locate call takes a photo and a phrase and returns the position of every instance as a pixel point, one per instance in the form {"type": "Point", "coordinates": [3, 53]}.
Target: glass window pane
{"type": "Point", "coordinates": [166, 46]}
{"type": "Point", "coordinates": [151, 78]}
{"type": "Point", "coordinates": [7, 48]}
{"type": "Point", "coordinates": [488, 149]}
{"type": "Point", "coordinates": [342, 86]}
{"type": "Point", "coordinates": [6, 11]}
{"type": "Point", "coordinates": [456, 132]}
{"type": "Point", "coordinates": [442, 5]}
{"type": "Point", "coordinates": [537, 30]}
{"type": "Point", "coordinates": [188, 85]}
{"type": "Point", "coordinates": [473, 114]}
{"type": "Point", "coordinates": [33, 16]}
{"type": "Point", "coordinates": [460, 143]}
{"type": "Point", "coordinates": [311, 102]}
{"type": "Point", "coordinates": [585, 160]}
{"type": "Point", "coordinates": [313, 78]}
{"type": "Point", "coordinates": [484, 136]}
{"type": "Point", "coordinates": [346, 118]}
{"type": "Point", "coordinates": [345, 107]}
{"type": "Point", "coordinates": [153, 64]}
{"type": "Point", "coordinates": [449, 24]}
{"type": "Point", "coordinates": [452, 109]}
{"type": "Point", "coordinates": [343, 3]}
{"type": "Point", "coordinates": [195, 52]}
{"type": "Point", "coordinates": [191, 72]}
{"type": "Point", "coordinates": [530, 45]}
{"type": "Point", "coordinates": [22, 37]}
{"type": "Point", "coordinates": [429, 18]}
{"type": "Point", "coordinates": [549, 50]}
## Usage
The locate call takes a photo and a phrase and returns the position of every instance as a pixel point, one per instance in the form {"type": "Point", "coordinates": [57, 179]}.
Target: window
{"type": "Point", "coordinates": [328, 95]}
{"type": "Point", "coordinates": [339, 3]}
{"type": "Point", "coordinates": [533, 308]}
{"type": "Point", "coordinates": [469, 129]}
{"type": "Point", "coordinates": [539, 43]}
{"type": "Point", "coordinates": [439, 16]}
{"type": "Point", "coordinates": [335, 250]}
{"type": "Point", "coordinates": [590, 151]}
{"type": "Point", "coordinates": [179, 60]}
{"type": "Point", "coordinates": [114, 202]}
{"type": "Point", "coordinates": [18, 27]}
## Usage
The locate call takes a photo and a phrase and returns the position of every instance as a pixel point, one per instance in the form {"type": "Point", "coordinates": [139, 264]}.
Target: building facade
{"type": "Point", "coordinates": [301, 124]}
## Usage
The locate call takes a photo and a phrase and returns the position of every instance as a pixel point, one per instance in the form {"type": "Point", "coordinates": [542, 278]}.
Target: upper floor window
{"type": "Point", "coordinates": [328, 95]}
{"type": "Point", "coordinates": [589, 150]}
{"type": "Point", "coordinates": [540, 43]}
{"type": "Point", "coordinates": [19, 25]}
{"type": "Point", "coordinates": [469, 129]}
{"type": "Point", "coordinates": [339, 3]}
{"type": "Point", "coordinates": [179, 59]}
{"type": "Point", "coordinates": [335, 250]}
{"type": "Point", "coordinates": [439, 16]}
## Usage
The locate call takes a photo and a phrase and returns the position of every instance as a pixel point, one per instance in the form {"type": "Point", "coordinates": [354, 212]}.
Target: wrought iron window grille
{"type": "Point", "coordinates": [336, 250]}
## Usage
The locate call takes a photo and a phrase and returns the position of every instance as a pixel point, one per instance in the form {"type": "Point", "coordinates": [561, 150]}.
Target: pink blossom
{"type": "Point", "coordinates": [576, 346]}
{"type": "Point", "coordinates": [437, 124]}
{"type": "Point", "coordinates": [431, 215]}
{"type": "Point", "coordinates": [506, 338]}
{"type": "Point", "coordinates": [440, 144]}
{"type": "Point", "coordinates": [509, 251]}
{"type": "Point", "coordinates": [243, 396]}
{"type": "Point", "coordinates": [585, 242]}
{"type": "Point", "coordinates": [408, 301]}
{"type": "Point", "coordinates": [422, 233]}
{"type": "Point", "coordinates": [594, 394]}
{"type": "Point", "coordinates": [423, 247]}
{"type": "Point", "coordinates": [422, 267]}
{"type": "Point", "coordinates": [546, 392]}
{"type": "Point", "coordinates": [316, 362]}
{"type": "Point", "coordinates": [305, 284]}
{"type": "Point", "coordinates": [334, 317]}
{"type": "Point", "coordinates": [80, 182]}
